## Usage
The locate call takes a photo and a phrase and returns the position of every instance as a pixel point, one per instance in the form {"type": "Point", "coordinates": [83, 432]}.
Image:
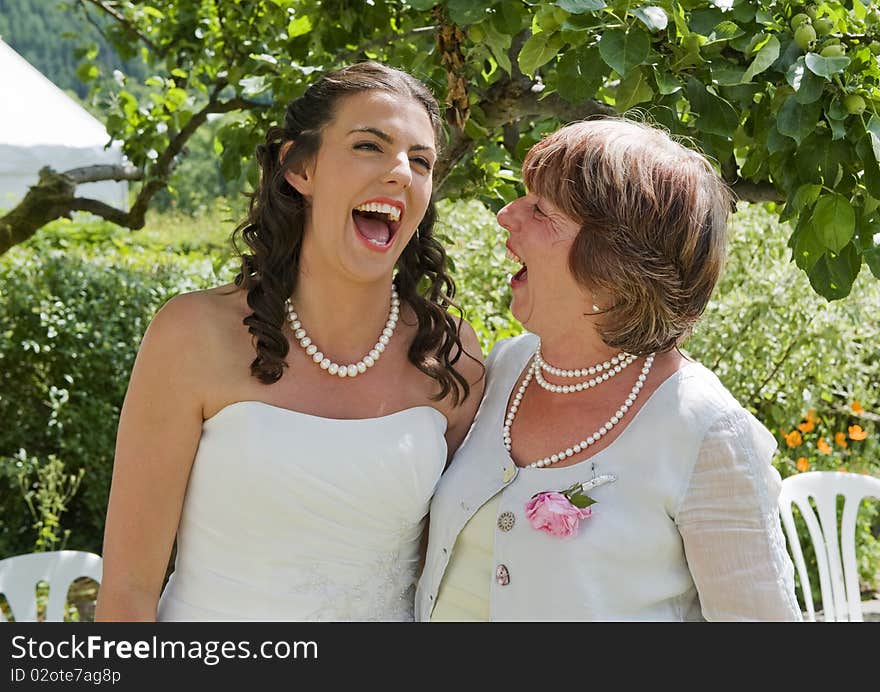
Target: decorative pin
{"type": "Point", "coordinates": [596, 481]}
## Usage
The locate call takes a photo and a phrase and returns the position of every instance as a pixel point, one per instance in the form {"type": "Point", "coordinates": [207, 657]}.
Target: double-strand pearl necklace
{"type": "Point", "coordinates": [354, 369]}
{"type": "Point", "coordinates": [602, 371]}
{"type": "Point", "coordinates": [590, 440]}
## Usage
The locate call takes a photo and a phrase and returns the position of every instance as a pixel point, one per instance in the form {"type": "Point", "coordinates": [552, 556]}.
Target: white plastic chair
{"type": "Point", "coordinates": [20, 574]}
{"type": "Point", "coordinates": [838, 578]}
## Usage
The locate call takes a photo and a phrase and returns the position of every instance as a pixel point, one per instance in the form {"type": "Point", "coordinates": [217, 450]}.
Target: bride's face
{"type": "Point", "coordinates": [369, 185]}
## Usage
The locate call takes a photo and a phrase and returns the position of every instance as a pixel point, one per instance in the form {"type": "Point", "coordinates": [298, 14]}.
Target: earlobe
{"type": "Point", "coordinates": [299, 180]}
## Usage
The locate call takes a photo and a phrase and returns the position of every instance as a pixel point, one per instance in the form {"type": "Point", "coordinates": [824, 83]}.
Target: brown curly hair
{"type": "Point", "coordinates": [653, 218]}
{"type": "Point", "coordinates": [273, 233]}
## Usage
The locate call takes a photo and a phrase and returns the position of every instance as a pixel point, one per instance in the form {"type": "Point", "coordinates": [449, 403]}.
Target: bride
{"type": "Point", "coordinates": [289, 429]}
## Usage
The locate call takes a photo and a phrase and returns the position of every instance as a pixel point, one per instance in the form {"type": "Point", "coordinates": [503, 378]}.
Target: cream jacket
{"type": "Point", "coordinates": [688, 531]}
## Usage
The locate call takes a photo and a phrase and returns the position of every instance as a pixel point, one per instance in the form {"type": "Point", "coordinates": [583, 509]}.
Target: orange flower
{"type": "Point", "coordinates": [811, 416]}
{"type": "Point", "coordinates": [802, 464]}
{"type": "Point", "coordinates": [856, 407]}
{"type": "Point", "coordinates": [822, 446]}
{"type": "Point", "coordinates": [856, 433]}
{"type": "Point", "coordinates": [840, 439]}
{"type": "Point", "coordinates": [794, 439]}
{"type": "Point", "coordinates": [806, 426]}
{"type": "Point", "coordinates": [842, 470]}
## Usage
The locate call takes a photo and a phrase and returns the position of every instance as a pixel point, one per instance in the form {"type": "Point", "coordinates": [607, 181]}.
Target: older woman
{"type": "Point", "coordinates": [606, 476]}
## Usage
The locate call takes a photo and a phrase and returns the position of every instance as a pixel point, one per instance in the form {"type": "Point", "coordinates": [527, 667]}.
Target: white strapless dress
{"type": "Point", "coordinates": [294, 517]}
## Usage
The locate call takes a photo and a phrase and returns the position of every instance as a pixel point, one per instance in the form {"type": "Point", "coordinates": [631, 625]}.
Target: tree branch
{"type": "Point", "coordinates": [104, 7]}
{"type": "Point", "coordinates": [748, 191]}
{"type": "Point", "coordinates": [99, 172]}
{"type": "Point", "coordinates": [53, 195]}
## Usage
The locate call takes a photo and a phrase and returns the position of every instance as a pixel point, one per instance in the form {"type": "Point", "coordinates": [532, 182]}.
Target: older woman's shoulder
{"type": "Point", "coordinates": [702, 398]}
{"type": "Point", "coordinates": [513, 350]}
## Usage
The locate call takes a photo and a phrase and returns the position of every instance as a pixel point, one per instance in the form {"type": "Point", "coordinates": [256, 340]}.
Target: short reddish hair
{"type": "Point", "coordinates": [653, 218]}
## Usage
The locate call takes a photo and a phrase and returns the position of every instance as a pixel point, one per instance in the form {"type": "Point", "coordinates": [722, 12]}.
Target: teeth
{"type": "Point", "coordinates": [390, 210]}
{"type": "Point", "coordinates": [513, 257]}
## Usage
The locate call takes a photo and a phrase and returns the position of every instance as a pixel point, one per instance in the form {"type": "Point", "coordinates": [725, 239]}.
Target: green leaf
{"type": "Point", "coordinates": [175, 98]}
{"type": "Point", "coordinates": [538, 50]}
{"type": "Point", "coordinates": [633, 89]}
{"type": "Point", "coordinates": [725, 31]}
{"type": "Point", "coordinates": [652, 17]}
{"type": "Point", "coordinates": [580, 6]}
{"type": "Point", "coordinates": [466, 12]}
{"type": "Point", "coordinates": [581, 500]}
{"type": "Point", "coordinates": [800, 199]}
{"type": "Point", "coordinates": [499, 44]}
{"type": "Point", "coordinates": [775, 141]}
{"type": "Point", "coordinates": [666, 83]}
{"type": "Point", "coordinates": [422, 5]}
{"type": "Point", "coordinates": [622, 50]}
{"type": "Point", "coordinates": [806, 196]}
{"type": "Point", "coordinates": [826, 67]}
{"type": "Point", "coordinates": [87, 72]}
{"type": "Point", "coordinates": [868, 243]}
{"type": "Point", "coordinates": [716, 116]}
{"type": "Point", "coordinates": [577, 74]}
{"type": "Point", "coordinates": [833, 275]}
{"type": "Point", "coordinates": [834, 220]}
{"type": "Point", "coordinates": [725, 74]}
{"type": "Point", "coordinates": [796, 120]}
{"type": "Point", "coordinates": [807, 85]}
{"type": "Point", "coordinates": [764, 59]}
{"type": "Point", "coordinates": [873, 130]}
{"type": "Point", "coordinates": [806, 246]}
{"type": "Point", "coordinates": [299, 26]}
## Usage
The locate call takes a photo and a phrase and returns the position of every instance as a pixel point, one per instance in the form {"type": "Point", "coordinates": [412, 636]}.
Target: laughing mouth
{"type": "Point", "coordinates": [377, 222]}
{"type": "Point", "coordinates": [513, 257]}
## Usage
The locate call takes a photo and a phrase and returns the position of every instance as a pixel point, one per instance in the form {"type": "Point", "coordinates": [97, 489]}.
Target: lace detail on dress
{"type": "Point", "coordinates": [384, 590]}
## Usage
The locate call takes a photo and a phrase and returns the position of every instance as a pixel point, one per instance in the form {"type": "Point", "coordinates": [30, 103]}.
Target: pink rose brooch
{"type": "Point", "coordinates": [559, 512]}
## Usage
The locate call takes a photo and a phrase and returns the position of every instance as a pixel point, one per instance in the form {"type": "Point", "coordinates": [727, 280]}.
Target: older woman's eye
{"type": "Point", "coordinates": [537, 211]}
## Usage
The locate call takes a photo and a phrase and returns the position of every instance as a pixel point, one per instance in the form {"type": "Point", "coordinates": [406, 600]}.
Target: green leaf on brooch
{"type": "Point", "coordinates": [580, 500]}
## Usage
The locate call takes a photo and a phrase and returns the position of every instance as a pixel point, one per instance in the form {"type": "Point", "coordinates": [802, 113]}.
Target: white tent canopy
{"type": "Point", "coordinates": [40, 126]}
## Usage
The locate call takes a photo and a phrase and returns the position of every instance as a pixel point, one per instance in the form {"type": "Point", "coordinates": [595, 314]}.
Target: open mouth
{"type": "Point", "coordinates": [377, 222]}
{"type": "Point", "coordinates": [523, 271]}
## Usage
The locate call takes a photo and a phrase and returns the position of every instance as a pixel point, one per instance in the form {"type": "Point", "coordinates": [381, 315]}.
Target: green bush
{"type": "Point", "coordinates": [71, 320]}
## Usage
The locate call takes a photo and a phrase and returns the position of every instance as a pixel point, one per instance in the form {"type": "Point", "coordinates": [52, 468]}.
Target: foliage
{"type": "Point", "coordinates": [47, 496]}
{"type": "Point", "coordinates": [784, 95]}
{"type": "Point", "coordinates": [71, 320]}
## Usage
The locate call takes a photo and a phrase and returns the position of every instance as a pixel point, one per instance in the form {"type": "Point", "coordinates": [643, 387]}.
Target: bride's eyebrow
{"type": "Point", "coordinates": [384, 136]}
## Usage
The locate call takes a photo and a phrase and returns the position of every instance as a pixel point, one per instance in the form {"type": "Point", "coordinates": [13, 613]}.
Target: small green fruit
{"type": "Point", "coordinates": [805, 37]}
{"type": "Point", "coordinates": [823, 26]}
{"type": "Point", "coordinates": [799, 19]}
{"type": "Point", "coordinates": [875, 47]}
{"type": "Point", "coordinates": [833, 51]}
{"type": "Point", "coordinates": [811, 11]}
{"type": "Point", "coordinates": [854, 104]}
{"type": "Point", "coordinates": [476, 33]}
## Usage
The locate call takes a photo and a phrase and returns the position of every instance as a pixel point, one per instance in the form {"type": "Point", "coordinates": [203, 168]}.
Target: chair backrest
{"type": "Point", "coordinates": [835, 556]}
{"type": "Point", "coordinates": [20, 574]}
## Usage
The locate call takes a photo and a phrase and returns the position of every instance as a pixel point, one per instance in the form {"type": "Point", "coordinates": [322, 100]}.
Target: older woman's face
{"type": "Point", "coordinates": [545, 293]}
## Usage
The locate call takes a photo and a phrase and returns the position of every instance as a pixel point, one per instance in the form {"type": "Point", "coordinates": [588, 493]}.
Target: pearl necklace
{"type": "Point", "coordinates": [611, 368]}
{"type": "Point", "coordinates": [590, 440]}
{"type": "Point", "coordinates": [354, 369]}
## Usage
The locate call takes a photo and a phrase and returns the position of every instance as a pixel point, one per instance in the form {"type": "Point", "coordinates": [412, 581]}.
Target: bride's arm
{"type": "Point", "coordinates": [159, 430]}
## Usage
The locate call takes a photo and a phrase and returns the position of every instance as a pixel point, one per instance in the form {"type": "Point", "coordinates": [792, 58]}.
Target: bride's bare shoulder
{"type": "Point", "coordinates": [200, 319]}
